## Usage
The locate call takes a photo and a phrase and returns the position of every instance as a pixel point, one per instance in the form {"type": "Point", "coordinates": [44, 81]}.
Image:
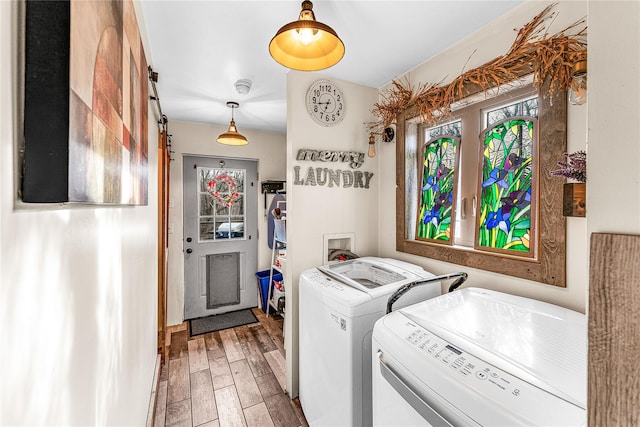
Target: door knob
{"type": "Point", "coordinates": [189, 239]}
{"type": "Point", "coordinates": [189, 250]}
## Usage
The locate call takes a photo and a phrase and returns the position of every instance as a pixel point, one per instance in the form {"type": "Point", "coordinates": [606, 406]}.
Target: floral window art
{"type": "Point", "coordinates": [507, 188]}
{"type": "Point", "coordinates": [438, 188]}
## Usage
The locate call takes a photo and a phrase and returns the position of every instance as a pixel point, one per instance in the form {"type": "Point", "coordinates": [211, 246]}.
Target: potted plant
{"type": "Point", "coordinates": [575, 169]}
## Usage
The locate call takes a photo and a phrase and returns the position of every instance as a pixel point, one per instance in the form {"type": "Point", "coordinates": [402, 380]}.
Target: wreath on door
{"type": "Point", "coordinates": [225, 199]}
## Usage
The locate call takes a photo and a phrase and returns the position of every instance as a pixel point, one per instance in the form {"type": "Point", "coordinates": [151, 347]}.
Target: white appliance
{"type": "Point", "coordinates": [337, 311]}
{"type": "Point", "coordinates": [476, 357]}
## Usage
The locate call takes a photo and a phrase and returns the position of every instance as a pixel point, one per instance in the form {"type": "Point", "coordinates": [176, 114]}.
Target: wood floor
{"type": "Point", "coordinates": [234, 377]}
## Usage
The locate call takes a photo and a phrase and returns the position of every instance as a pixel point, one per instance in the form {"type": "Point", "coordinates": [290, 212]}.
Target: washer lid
{"type": "Point", "coordinates": [541, 343]}
{"type": "Point", "coordinates": [369, 274]}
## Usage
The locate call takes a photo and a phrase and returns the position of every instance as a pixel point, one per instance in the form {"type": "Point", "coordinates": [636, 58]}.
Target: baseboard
{"type": "Point", "coordinates": [154, 394]}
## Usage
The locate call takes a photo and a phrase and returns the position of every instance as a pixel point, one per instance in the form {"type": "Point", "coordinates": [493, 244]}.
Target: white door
{"type": "Point", "coordinates": [220, 235]}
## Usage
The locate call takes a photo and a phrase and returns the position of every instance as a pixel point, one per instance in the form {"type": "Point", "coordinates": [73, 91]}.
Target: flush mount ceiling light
{"type": "Point", "coordinates": [306, 44]}
{"type": "Point", "coordinates": [231, 136]}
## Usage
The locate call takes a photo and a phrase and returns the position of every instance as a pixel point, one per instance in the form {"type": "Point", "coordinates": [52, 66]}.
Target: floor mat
{"type": "Point", "coordinates": [218, 322]}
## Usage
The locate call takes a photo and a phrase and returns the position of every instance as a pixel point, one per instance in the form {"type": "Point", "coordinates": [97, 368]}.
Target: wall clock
{"type": "Point", "coordinates": [389, 134]}
{"type": "Point", "coordinates": [326, 103]}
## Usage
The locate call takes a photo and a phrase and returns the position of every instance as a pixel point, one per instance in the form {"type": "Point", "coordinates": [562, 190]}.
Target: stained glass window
{"type": "Point", "coordinates": [221, 199]}
{"type": "Point", "coordinates": [438, 184]}
{"type": "Point", "coordinates": [508, 190]}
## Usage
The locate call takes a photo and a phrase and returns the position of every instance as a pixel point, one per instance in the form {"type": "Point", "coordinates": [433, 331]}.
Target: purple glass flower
{"type": "Point", "coordinates": [513, 162]}
{"type": "Point", "coordinates": [516, 199]}
{"type": "Point", "coordinates": [432, 183]}
{"type": "Point", "coordinates": [498, 219]}
{"type": "Point", "coordinates": [443, 171]}
{"type": "Point", "coordinates": [431, 216]}
{"type": "Point", "coordinates": [496, 177]}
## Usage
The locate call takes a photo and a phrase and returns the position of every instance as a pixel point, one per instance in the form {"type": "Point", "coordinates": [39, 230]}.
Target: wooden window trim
{"type": "Point", "coordinates": [550, 265]}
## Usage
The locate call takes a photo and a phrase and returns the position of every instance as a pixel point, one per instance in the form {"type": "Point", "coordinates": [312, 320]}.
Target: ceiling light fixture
{"type": "Point", "coordinates": [306, 44]}
{"type": "Point", "coordinates": [231, 136]}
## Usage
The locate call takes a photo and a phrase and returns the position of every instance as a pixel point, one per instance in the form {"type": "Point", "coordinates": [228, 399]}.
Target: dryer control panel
{"type": "Point", "coordinates": [441, 366]}
{"type": "Point", "coordinates": [480, 373]}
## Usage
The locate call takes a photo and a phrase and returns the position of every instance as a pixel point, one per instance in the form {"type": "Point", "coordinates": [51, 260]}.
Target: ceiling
{"type": "Point", "coordinates": [201, 48]}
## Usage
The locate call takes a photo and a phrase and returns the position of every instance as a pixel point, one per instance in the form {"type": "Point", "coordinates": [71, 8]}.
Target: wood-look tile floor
{"type": "Point", "coordinates": [234, 377]}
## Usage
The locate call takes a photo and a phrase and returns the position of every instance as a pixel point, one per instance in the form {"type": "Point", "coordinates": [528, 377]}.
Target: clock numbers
{"type": "Point", "coordinates": [325, 103]}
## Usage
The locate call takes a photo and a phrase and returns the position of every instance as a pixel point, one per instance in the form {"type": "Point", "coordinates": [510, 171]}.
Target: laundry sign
{"type": "Point", "coordinates": [332, 178]}
{"type": "Point", "coordinates": [319, 176]}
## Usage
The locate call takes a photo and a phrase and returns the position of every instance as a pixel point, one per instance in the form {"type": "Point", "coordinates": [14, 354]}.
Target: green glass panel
{"type": "Point", "coordinates": [506, 194]}
{"type": "Point", "coordinates": [434, 220]}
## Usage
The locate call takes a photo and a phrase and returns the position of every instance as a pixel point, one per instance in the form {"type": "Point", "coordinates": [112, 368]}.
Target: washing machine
{"type": "Point", "coordinates": [339, 304]}
{"type": "Point", "coordinates": [477, 357]}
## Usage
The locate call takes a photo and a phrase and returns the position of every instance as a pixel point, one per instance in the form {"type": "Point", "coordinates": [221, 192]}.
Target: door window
{"type": "Point", "coordinates": [221, 196]}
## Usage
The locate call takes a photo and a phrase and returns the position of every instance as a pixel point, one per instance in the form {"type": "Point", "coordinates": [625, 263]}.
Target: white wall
{"type": "Point", "coordinates": [200, 139]}
{"type": "Point", "coordinates": [488, 43]}
{"type": "Point", "coordinates": [613, 189]}
{"type": "Point", "coordinates": [78, 292]}
{"type": "Point", "coordinates": [313, 211]}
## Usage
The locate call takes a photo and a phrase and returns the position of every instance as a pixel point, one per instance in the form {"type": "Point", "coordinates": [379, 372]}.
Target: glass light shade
{"type": "Point", "coordinates": [372, 146]}
{"type": "Point", "coordinates": [578, 87]}
{"type": "Point", "coordinates": [306, 44]}
{"type": "Point", "coordinates": [232, 137]}
{"type": "Point", "coordinates": [578, 90]}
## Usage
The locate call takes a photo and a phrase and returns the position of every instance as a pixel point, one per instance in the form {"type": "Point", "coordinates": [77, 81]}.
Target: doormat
{"type": "Point", "coordinates": [218, 322]}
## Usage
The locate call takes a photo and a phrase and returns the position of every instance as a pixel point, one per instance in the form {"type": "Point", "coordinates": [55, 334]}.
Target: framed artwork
{"type": "Point", "coordinates": [86, 104]}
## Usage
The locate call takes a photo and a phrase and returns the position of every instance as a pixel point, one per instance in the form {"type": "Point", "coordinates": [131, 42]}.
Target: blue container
{"type": "Point", "coordinates": [263, 283]}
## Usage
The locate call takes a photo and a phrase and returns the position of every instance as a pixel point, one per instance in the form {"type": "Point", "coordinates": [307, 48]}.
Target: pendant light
{"type": "Point", "coordinates": [231, 136]}
{"type": "Point", "coordinates": [306, 44]}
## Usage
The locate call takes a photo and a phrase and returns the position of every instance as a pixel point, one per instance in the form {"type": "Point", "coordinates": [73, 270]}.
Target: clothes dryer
{"type": "Point", "coordinates": [339, 304]}
{"type": "Point", "coordinates": [476, 357]}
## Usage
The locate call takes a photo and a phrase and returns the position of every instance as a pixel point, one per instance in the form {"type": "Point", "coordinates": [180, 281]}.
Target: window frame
{"type": "Point", "coordinates": [549, 266]}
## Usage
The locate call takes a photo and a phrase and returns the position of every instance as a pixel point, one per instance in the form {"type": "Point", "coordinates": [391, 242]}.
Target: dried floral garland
{"type": "Point", "coordinates": [533, 51]}
{"type": "Point", "coordinates": [225, 199]}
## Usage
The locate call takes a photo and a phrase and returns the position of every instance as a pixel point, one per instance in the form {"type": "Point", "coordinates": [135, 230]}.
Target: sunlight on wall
{"type": "Point", "coordinates": [108, 313]}
{"type": "Point", "coordinates": [39, 314]}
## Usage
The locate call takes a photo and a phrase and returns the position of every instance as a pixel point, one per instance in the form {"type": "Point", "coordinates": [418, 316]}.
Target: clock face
{"type": "Point", "coordinates": [326, 103]}
{"type": "Point", "coordinates": [389, 134]}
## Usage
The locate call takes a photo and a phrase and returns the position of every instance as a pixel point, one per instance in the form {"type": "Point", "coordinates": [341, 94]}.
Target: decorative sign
{"type": "Point", "coordinates": [332, 178]}
{"type": "Point", "coordinates": [355, 158]}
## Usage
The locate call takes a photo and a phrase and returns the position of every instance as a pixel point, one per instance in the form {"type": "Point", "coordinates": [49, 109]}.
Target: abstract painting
{"type": "Point", "coordinates": [107, 96]}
